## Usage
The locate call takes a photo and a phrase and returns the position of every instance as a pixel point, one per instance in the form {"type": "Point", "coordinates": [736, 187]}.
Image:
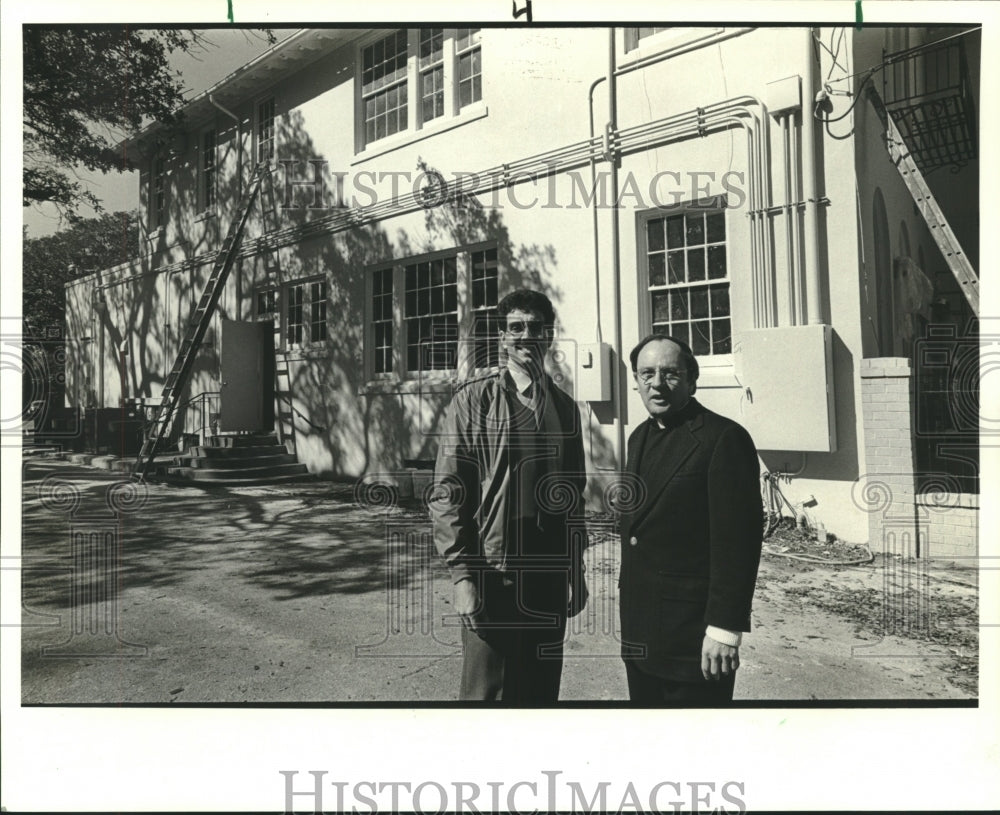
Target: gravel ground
{"type": "Point", "coordinates": [309, 593]}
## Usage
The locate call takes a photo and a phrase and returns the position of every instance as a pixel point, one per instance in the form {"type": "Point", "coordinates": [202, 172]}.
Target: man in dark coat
{"type": "Point", "coordinates": [691, 548]}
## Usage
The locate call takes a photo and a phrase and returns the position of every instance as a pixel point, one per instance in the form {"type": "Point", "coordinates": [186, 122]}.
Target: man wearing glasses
{"type": "Point", "coordinates": [691, 549]}
{"type": "Point", "coordinates": [510, 474]}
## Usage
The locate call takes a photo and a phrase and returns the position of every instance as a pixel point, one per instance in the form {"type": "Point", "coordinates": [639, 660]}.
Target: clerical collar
{"type": "Point", "coordinates": [675, 418]}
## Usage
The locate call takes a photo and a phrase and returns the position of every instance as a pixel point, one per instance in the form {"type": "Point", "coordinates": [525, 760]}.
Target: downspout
{"type": "Point", "coordinates": [612, 153]}
{"type": "Point", "coordinates": [813, 312]}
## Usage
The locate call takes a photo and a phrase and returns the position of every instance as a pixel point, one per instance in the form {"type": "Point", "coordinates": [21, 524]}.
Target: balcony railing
{"type": "Point", "coordinates": [928, 92]}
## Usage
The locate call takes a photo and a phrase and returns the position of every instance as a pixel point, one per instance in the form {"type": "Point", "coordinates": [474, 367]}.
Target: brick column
{"type": "Point", "coordinates": [889, 489]}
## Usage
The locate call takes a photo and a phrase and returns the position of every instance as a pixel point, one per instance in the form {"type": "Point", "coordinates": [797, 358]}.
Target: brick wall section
{"type": "Point", "coordinates": [950, 530]}
{"type": "Point", "coordinates": [889, 482]}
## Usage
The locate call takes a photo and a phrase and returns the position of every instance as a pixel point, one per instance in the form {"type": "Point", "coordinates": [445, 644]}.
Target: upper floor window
{"type": "Point", "coordinates": [208, 169]}
{"type": "Point", "coordinates": [411, 77]}
{"type": "Point", "coordinates": [687, 278]}
{"type": "Point", "coordinates": [158, 192]}
{"type": "Point", "coordinates": [265, 131]}
{"type": "Point", "coordinates": [383, 86]}
{"type": "Point", "coordinates": [470, 73]}
{"type": "Point", "coordinates": [633, 35]}
{"type": "Point", "coordinates": [431, 73]}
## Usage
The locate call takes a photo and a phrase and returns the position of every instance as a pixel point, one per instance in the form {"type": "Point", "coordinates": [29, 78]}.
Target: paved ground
{"type": "Point", "coordinates": [301, 593]}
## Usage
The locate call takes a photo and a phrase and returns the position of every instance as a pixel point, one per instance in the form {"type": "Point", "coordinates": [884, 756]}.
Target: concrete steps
{"type": "Point", "coordinates": [237, 460]}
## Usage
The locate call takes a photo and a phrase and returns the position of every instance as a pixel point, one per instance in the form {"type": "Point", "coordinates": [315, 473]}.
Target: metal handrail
{"type": "Point", "coordinates": [286, 398]}
{"type": "Point", "coordinates": [202, 397]}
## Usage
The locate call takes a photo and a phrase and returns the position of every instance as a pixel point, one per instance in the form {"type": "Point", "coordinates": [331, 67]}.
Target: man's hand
{"type": "Point", "coordinates": [718, 660]}
{"type": "Point", "coordinates": [578, 593]}
{"type": "Point", "coordinates": [467, 603]}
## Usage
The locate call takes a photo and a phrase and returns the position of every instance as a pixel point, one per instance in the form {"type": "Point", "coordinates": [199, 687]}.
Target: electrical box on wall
{"type": "Point", "coordinates": [783, 95]}
{"type": "Point", "coordinates": [593, 372]}
{"type": "Point", "coordinates": [787, 380]}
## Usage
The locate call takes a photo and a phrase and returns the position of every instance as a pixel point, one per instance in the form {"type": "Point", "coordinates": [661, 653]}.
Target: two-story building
{"type": "Point", "coordinates": [731, 186]}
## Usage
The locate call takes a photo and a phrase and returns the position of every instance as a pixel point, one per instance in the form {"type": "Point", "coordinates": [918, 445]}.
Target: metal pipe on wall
{"type": "Point", "coordinates": [812, 270]}
{"type": "Point", "coordinates": [616, 270]}
{"type": "Point", "coordinates": [797, 315]}
{"type": "Point", "coordinates": [787, 211]}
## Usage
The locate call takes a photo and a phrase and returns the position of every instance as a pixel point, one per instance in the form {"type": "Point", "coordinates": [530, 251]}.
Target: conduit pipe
{"type": "Point", "coordinates": [797, 315]}
{"type": "Point", "coordinates": [813, 307]}
{"type": "Point", "coordinates": [613, 158]}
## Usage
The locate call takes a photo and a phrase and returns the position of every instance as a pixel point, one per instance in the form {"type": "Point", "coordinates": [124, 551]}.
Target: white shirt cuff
{"type": "Point", "coordinates": [733, 638]}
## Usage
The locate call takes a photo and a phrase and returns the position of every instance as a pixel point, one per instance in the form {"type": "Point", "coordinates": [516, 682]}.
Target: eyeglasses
{"type": "Point", "coordinates": [671, 376]}
{"type": "Point", "coordinates": [536, 328]}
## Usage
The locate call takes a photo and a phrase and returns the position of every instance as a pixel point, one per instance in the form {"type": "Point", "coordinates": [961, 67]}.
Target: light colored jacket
{"type": "Point", "coordinates": [474, 510]}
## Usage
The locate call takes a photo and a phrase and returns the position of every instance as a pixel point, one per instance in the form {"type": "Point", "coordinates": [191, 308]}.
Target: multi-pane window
{"type": "Point", "coordinates": [382, 319]}
{"type": "Point", "coordinates": [306, 313]}
{"type": "Point", "coordinates": [158, 191]}
{"type": "Point", "coordinates": [383, 86]}
{"type": "Point", "coordinates": [317, 311]}
{"type": "Point", "coordinates": [633, 35]}
{"type": "Point", "coordinates": [470, 73]}
{"type": "Point", "coordinates": [446, 310]}
{"type": "Point", "coordinates": [208, 174]}
{"type": "Point", "coordinates": [295, 322]}
{"type": "Point", "coordinates": [431, 73]}
{"type": "Point", "coordinates": [265, 131]}
{"type": "Point", "coordinates": [413, 78]}
{"type": "Point", "coordinates": [687, 278]}
{"type": "Point", "coordinates": [431, 315]}
{"type": "Point", "coordinates": [485, 322]}
{"type": "Point", "coordinates": [266, 304]}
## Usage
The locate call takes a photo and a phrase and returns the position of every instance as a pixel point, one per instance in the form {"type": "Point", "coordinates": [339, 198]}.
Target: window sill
{"type": "Point", "coordinates": [444, 383]}
{"type": "Point", "coordinates": [471, 113]}
{"type": "Point", "coordinates": [155, 234]}
{"type": "Point", "coordinates": [319, 350]}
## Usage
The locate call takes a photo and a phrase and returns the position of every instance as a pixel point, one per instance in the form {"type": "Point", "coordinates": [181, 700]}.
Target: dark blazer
{"type": "Point", "coordinates": [691, 546]}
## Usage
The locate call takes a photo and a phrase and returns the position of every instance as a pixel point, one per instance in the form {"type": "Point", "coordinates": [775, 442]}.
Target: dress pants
{"type": "Point", "coordinates": [647, 690]}
{"type": "Point", "coordinates": [516, 657]}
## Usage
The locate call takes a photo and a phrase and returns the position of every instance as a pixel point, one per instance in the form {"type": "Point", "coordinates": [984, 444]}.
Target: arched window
{"type": "Point", "coordinates": [883, 275]}
{"type": "Point", "coordinates": [904, 240]}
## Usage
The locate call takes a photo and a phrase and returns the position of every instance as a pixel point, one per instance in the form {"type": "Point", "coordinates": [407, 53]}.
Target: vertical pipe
{"type": "Point", "coordinates": [596, 226]}
{"type": "Point", "coordinates": [615, 252]}
{"type": "Point", "coordinates": [814, 314]}
{"type": "Point", "coordinates": [790, 211]}
{"type": "Point", "coordinates": [798, 315]}
{"type": "Point", "coordinates": [756, 216]}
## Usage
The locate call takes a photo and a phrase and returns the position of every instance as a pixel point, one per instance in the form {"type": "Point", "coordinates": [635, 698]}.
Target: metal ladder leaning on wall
{"type": "Point", "coordinates": [198, 325]}
{"type": "Point", "coordinates": [900, 156]}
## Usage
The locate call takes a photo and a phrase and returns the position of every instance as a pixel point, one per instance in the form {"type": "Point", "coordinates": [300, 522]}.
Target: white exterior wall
{"type": "Point", "coordinates": [535, 88]}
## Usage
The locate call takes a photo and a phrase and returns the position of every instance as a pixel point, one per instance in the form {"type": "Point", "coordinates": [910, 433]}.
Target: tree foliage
{"type": "Point", "coordinates": [85, 89]}
{"type": "Point", "coordinates": [52, 261]}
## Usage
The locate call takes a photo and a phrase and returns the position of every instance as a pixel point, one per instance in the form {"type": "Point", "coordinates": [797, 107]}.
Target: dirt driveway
{"type": "Point", "coordinates": [302, 593]}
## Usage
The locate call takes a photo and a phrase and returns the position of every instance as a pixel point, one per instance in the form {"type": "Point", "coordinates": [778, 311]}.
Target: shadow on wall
{"type": "Point", "coordinates": [367, 431]}
{"type": "Point", "coordinates": [362, 431]}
